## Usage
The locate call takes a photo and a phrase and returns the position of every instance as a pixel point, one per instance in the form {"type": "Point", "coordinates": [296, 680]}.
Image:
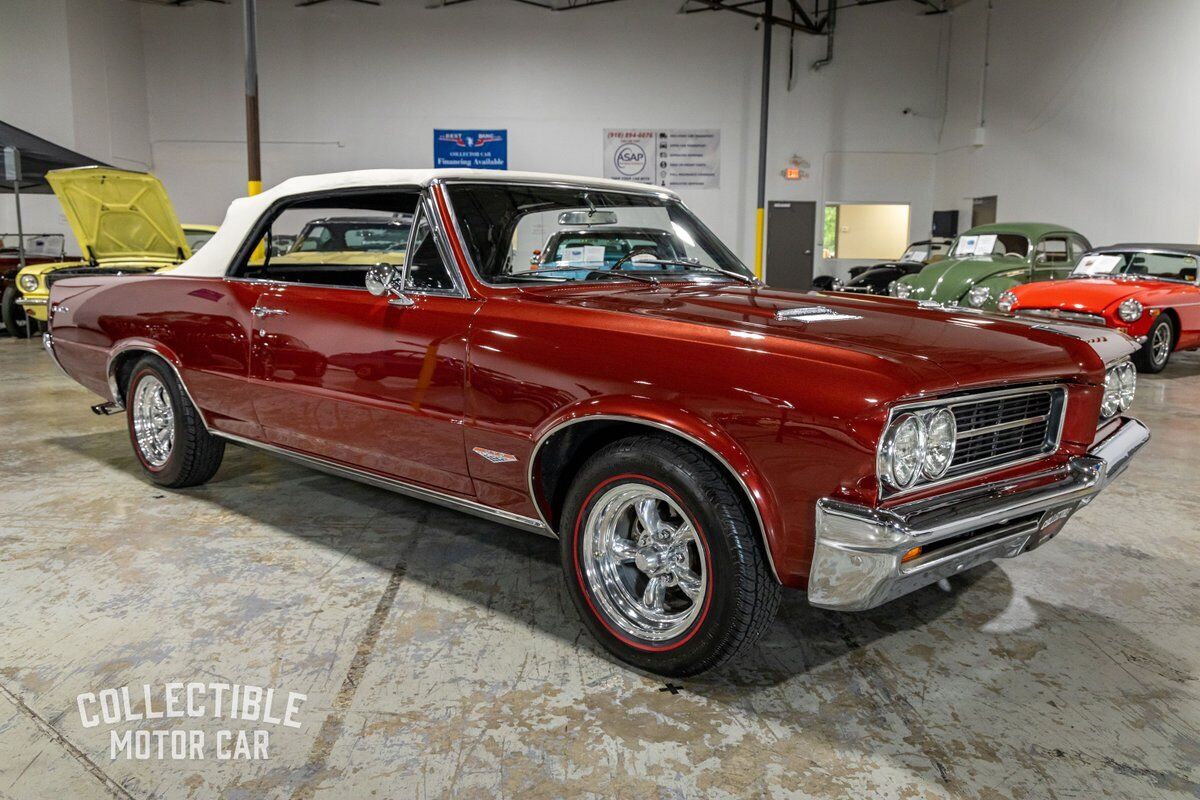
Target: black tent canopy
{"type": "Point", "coordinates": [38, 156]}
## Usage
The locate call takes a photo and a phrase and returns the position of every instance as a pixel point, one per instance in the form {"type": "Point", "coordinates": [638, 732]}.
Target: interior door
{"type": "Point", "coordinates": [791, 236]}
{"type": "Point", "coordinates": [354, 378]}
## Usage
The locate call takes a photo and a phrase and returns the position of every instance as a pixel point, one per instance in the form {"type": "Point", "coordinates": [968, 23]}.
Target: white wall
{"type": "Point", "coordinates": [345, 85]}
{"type": "Point", "coordinates": [1091, 116]}
{"type": "Point", "coordinates": [71, 71]}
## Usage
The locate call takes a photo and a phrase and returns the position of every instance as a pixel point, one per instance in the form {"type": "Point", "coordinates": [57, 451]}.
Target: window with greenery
{"type": "Point", "coordinates": [829, 236]}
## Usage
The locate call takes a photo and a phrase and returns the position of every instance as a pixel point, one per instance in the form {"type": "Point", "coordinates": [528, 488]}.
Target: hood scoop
{"type": "Point", "coordinates": [812, 314]}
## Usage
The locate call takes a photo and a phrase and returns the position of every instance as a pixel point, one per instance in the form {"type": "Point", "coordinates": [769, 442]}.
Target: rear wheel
{"type": "Point", "coordinates": [661, 559]}
{"type": "Point", "coordinates": [1157, 350]}
{"type": "Point", "coordinates": [168, 435]}
{"type": "Point", "coordinates": [15, 321]}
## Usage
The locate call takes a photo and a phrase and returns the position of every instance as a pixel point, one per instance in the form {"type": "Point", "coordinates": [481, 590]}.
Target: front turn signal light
{"type": "Point", "coordinates": [911, 554]}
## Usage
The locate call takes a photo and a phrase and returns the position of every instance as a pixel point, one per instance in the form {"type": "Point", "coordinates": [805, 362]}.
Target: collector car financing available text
{"type": "Point", "coordinates": [695, 440]}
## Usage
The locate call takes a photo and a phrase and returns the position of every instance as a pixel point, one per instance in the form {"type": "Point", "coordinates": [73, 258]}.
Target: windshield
{"type": "Point", "coordinates": [991, 244]}
{"type": "Point", "coordinates": [1173, 266]}
{"type": "Point", "coordinates": [916, 252]}
{"type": "Point", "coordinates": [196, 238]}
{"type": "Point", "coordinates": [372, 236]}
{"type": "Point", "coordinates": [36, 244]}
{"type": "Point", "coordinates": [525, 234]}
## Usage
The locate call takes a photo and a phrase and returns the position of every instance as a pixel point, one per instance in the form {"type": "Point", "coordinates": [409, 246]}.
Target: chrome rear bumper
{"type": "Point", "coordinates": [857, 562]}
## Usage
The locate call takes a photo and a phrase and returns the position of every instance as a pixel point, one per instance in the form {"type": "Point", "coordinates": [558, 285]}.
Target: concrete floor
{"type": "Point", "coordinates": [440, 655]}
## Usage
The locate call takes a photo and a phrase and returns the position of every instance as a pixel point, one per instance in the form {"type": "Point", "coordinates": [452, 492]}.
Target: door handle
{"type": "Point", "coordinates": [263, 311]}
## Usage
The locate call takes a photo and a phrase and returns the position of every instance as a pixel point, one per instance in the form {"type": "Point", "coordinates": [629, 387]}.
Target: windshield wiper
{"type": "Point", "coordinates": [534, 273]}
{"type": "Point", "coordinates": [695, 266]}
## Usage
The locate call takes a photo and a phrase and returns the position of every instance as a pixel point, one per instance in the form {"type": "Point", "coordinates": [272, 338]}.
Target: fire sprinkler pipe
{"type": "Point", "coordinates": [831, 22]}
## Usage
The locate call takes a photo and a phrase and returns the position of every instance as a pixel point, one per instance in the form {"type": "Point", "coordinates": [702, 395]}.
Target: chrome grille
{"type": "Point", "coordinates": [1062, 316]}
{"type": "Point", "coordinates": [997, 429]}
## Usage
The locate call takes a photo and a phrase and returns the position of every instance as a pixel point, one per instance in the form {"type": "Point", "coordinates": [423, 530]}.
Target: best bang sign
{"type": "Point", "coordinates": [470, 149]}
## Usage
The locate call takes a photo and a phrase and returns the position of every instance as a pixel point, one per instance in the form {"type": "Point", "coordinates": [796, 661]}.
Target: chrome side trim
{"type": "Point", "coordinates": [48, 343]}
{"type": "Point", "coordinates": [115, 391]}
{"type": "Point", "coordinates": [398, 486]}
{"type": "Point", "coordinates": [533, 460]}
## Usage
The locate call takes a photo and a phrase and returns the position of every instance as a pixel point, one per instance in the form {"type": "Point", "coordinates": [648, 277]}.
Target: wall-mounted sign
{"type": "Point", "coordinates": [471, 149]}
{"type": "Point", "coordinates": [797, 169]}
{"type": "Point", "coordinates": [678, 158]}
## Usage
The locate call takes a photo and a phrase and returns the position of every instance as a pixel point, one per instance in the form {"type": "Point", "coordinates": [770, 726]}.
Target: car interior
{"type": "Point", "coordinates": [336, 240]}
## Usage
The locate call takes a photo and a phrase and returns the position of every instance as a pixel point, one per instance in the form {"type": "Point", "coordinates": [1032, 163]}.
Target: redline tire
{"type": "Point", "coordinates": [736, 598]}
{"type": "Point", "coordinates": [194, 455]}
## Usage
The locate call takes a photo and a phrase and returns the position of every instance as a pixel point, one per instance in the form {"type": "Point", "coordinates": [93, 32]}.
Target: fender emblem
{"type": "Point", "coordinates": [494, 456]}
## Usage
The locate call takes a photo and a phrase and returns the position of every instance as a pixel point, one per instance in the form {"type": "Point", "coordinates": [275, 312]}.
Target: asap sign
{"type": "Point", "coordinates": [628, 155]}
{"type": "Point", "coordinates": [630, 159]}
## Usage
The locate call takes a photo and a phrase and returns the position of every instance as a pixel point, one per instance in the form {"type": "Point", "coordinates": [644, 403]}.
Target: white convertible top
{"type": "Point", "coordinates": [214, 258]}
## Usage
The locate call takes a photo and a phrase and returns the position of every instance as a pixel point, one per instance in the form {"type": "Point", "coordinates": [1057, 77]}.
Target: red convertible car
{"type": "Point", "coordinates": [1149, 291]}
{"type": "Point", "coordinates": [694, 439]}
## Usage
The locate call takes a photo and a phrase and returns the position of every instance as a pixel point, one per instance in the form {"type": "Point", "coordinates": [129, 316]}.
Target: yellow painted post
{"type": "Point", "coordinates": [758, 244]}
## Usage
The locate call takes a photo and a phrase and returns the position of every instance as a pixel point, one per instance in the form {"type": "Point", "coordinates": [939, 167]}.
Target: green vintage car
{"type": "Point", "coordinates": [990, 259]}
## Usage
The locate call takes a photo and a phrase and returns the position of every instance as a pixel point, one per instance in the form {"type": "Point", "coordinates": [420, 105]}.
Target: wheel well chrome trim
{"type": "Point", "coordinates": [115, 390]}
{"type": "Point", "coordinates": [398, 486]}
{"type": "Point", "coordinates": [545, 437]}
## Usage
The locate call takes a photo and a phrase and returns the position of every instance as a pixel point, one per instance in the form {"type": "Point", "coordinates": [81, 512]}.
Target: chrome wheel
{"type": "Point", "coordinates": [644, 562]}
{"type": "Point", "coordinates": [153, 421]}
{"type": "Point", "coordinates": [1160, 344]}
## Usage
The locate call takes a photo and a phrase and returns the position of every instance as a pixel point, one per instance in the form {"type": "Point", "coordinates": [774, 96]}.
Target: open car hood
{"type": "Point", "coordinates": [117, 214]}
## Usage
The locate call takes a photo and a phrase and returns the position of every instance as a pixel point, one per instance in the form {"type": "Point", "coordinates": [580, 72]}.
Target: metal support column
{"type": "Point", "coordinates": [253, 150]}
{"type": "Point", "coordinates": [765, 105]}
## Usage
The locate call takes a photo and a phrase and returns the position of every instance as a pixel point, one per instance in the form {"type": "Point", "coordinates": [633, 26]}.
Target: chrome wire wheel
{"type": "Point", "coordinates": [153, 421]}
{"type": "Point", "coordinates": [1160, 344]}
{"type": "Point", "coordinates": [644, 562]}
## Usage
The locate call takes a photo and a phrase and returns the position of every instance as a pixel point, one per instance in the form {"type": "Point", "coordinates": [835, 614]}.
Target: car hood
{"type": "Point", "coordinates": [1082, 294]}
{"type": "Point", "coordinates": [943, 349]}
{"type": "Point", "coordinates": [951, 279]}
{"type": "Point", "coordinates": [117, 214]}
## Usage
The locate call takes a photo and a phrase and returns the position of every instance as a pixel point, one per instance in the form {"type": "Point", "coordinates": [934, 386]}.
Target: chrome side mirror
{"type": "Point", "coordinates": [384, 279]}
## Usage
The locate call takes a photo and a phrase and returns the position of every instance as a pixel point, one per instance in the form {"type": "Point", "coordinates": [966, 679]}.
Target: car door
{"type": "Point", "coordinates": [363, 381]}
{"type": "Point", "coordinates": [1051, 258]}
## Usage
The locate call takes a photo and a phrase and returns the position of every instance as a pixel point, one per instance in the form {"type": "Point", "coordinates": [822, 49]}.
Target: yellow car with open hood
{"type": "Point", "coordinates": [124, 223]}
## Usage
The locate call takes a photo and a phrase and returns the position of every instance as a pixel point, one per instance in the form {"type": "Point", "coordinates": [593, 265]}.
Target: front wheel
{"type": "Point", "coordinates": [168, 435]}
{"type": "Point", "coordinates": [661, 559]}
{"type": "Point", "coordinates": [15, 322]}
{"type": "Point", "coordinates": [1157, 350]}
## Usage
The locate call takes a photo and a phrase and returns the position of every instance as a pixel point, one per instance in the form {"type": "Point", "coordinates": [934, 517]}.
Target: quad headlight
{"type": "Point", "coordinates": [1006, 302]}
{"type": "Point", "coordinates": [902, 290]}
{"type": "Point", "coordinates": [978, 296]}
{"type": "Point", "coordinates": [1120, 386]}
{"type": "Point", "coordinates": [917, 445]}
{"type": "Point", "coordinates": [1130, 310]}
{"type": "Point", "coordinates": [27, 283]}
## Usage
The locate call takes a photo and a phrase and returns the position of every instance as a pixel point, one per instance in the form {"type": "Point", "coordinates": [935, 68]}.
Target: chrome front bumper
{"type": "Point", "coordinates": [857, 561]}
{"type": "Point", "coordinates": [32, 301]}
